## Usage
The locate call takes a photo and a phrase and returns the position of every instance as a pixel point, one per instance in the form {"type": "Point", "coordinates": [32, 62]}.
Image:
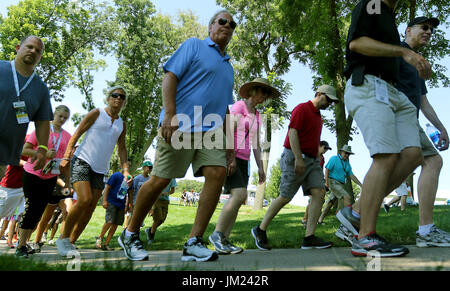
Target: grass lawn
{"type": "Point", "coordinates": [285, 231]}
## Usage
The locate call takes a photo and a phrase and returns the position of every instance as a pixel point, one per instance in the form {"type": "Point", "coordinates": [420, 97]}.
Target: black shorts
{"type": "Point", "coordinates": [239, 179]}
{"type": "Point", "coordinates": [82, 171]}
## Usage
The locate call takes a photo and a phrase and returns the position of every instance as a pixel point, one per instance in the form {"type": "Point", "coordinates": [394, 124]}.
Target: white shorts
{"type": "Point", "coordinates": [12, 201]}
{"type": "Point", "coordinates": [402, 190]}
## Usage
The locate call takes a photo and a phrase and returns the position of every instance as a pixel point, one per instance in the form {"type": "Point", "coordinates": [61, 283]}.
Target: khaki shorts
{"type": "Point", "coordinates": [12, 201]}
{"type": "Point", "coordinates": [160, 210]}
{"type": "Point", "coordinates": [173, 163]}
{"type": "Point", "coordinates": [291, 182]}
{"type": "Point", "coordinates": [386, 128]}
{"type": "Point", "coordinates": [337, 189]}
{"type": "Point", "coordinates": [428, 148]}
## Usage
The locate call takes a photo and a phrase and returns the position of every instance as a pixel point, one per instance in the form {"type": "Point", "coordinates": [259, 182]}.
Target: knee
{"type": "Point", "coordinates": [214, 173]}
{"type": "Point", "coordinates": [318, 195]}
{"type": "Point", "coordinates": [433, 162]}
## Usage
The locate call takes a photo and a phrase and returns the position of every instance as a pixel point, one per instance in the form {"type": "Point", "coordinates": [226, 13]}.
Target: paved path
{"type": "Point", "coordinates": [333, 259]}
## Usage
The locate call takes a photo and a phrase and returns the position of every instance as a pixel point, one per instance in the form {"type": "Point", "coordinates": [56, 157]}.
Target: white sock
{"type": "Point", "coordinates": [128, 233]}
{"type": "Point", "coordinates": [355, 214]}
{"type": "Point", "coordinates": [425, 229]}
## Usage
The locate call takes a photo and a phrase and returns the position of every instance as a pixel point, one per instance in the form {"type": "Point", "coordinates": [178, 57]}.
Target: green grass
{"type": "Point", "coordinates": [285, 231]}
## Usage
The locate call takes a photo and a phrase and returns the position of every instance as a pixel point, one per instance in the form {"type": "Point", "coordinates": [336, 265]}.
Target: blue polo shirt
{"type": "Point", "coordinates": [205, 85]}
{"type": "Point", "coordinates": [339, 169]}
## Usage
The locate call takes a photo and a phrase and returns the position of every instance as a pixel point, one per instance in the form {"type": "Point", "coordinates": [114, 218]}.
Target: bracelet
{"type": "Point", "coordinates": [43, 147]}
{"type": "Point", "coordinates": [125, 169]}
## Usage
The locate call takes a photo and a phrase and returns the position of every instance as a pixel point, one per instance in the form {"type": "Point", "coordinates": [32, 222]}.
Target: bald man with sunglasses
{"type": "Point", "coordinates": [198, 84]}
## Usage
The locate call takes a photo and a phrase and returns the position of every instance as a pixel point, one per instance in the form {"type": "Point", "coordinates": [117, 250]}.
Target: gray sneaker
{"type": "Point", "coordinates": [436, 238]}
{"type": "Point", "coordinates": [219, 242]}
{"type": "Point", "coordinates": [198, 252]}
{"type": "Point", "coordinates": [344, 234]}
{"type": "Point", "coordinates": [374, 243]}
{"type": "Point", "coordinates": [351, 222]}
{"type": "Point", "coordinates": [133, 247]}
{"type": "Point", "coordinates": [234, 249]}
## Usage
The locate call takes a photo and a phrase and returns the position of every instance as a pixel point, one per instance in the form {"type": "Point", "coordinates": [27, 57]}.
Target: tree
{"type": "Point", "coordinates": [259, 50]}
{"type": "Point", "coordinates": [71, 32]}
{"type": "Point", "coordinates": [145, 42]}
{"type": "Point", "coordinates": [273, 186]}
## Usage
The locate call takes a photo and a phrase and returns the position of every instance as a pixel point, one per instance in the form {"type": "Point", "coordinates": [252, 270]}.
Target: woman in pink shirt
{"type": "Point", "coordinates": [246, 124]}
{"type": "Point", "coordinates": [38, 185]}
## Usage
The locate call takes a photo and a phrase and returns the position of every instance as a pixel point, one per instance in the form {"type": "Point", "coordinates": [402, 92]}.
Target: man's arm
{"type": "Point", "coordinates": [169, 91]}
{"type": "Point", "coordinates": [354, 179]}
{"type": "Point", "coordinates": [294, 142]}
{"type": "Point", "coordinates": [42, 134]}
{"type": "Point", "coordinates": [373, 48]}
{"type": "Point", "coordinates": [431, 115]}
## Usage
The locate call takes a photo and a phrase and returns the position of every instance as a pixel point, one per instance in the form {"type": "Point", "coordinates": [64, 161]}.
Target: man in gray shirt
{"type": "Point", "coordinates": [24, 97]}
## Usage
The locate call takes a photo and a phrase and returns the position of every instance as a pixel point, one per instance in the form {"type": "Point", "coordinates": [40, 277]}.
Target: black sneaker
{"type": "Point", "coordinates": [313, 241]}
{"type": "Point", "coordinates": [150, 235]}
{"type": "Point", "coordinates": [386, 207]}
{"type": "Point", "coordinates": [22, 252]}
{"type": "Point", "coordinates": [260, 239]}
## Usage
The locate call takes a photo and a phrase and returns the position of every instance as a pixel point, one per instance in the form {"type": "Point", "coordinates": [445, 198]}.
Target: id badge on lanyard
{"type": "Point", "coordinates": [19, 106]}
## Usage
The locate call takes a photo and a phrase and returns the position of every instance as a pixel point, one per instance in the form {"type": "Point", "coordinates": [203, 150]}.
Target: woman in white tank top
{"type": "Point", "coordinates": [104, 129]}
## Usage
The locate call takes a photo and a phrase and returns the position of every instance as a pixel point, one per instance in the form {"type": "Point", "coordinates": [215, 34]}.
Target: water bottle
{"type": "Point", "coordinates": [434, 135]}
{"type": "Point", "coordinates": [123, 190]}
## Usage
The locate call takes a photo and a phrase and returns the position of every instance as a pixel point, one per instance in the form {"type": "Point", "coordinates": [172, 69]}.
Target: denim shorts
{"type": "Point", "coordinates": [291, 182]}
{"type": "Point", "coordinates": [82, 172]}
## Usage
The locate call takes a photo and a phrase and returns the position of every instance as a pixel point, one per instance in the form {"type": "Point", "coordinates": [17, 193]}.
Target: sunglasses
{"type": "Point", "coordinates": [117, 95]}
{"type": "Point", "coordinates": [224, 21]}
{"type": "Point", "coordinates": [329, 100]}
{"type": "Point", "coordinates": [426, 27]}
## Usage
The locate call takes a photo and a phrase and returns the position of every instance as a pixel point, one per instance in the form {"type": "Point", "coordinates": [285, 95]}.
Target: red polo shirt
{"type": "Point", "coordinates": [306, 119]}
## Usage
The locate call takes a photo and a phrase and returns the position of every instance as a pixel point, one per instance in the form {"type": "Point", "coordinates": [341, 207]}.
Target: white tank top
{"type": "Point", "coordinates": [99, 142]}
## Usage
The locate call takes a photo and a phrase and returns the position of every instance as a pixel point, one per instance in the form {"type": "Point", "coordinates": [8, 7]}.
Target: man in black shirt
{"type": "Point", "coordinates": [384, 115]}
{"type": "Point", "coordinates": [418, 34]}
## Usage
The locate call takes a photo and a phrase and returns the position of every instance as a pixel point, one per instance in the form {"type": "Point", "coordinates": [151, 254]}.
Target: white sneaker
{"type": "Point", "coordinates": [64, 246]}
{"type": "Point", "coordinates": [198, 252]}
{"type": "Point", "coordinates": [435, 238]}
{"type": "Point", "coordinates": [132, 247]}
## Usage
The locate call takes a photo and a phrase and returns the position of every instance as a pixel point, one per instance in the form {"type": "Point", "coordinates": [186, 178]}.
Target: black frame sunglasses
{"type": "Point", "coordinates": [117, 95]}
{"type": "Point", "coordinates": [224, 21]}
{"type": "Point", "coordinates": [425, 27]}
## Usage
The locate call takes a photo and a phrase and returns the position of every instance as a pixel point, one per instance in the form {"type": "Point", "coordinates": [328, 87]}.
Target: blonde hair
{"type": "Point", "coordinates": [62, 108]}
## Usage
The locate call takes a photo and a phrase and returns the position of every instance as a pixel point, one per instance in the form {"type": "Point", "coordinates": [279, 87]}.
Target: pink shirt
{"type": "Point", "coordinates": [52, 143]}
{"type": "Point", "coordinates": [245, 135]}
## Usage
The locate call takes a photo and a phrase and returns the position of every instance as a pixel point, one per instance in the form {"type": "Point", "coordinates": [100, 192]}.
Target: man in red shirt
{"type": "Point", "coordinates": [300, 166]}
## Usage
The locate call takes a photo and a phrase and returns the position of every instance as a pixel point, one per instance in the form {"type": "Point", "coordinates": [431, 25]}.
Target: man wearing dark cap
{"type": "Point", "coordinates": [418, 35]}
{"type": "Point", "coordinates": [300, 166]}
{"type": "Point", "coordinates": [384, 115]}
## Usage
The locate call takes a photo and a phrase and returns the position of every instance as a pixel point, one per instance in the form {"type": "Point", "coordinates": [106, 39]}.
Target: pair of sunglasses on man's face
{"type": "Point", "coordinates": [224, 21]}
{"type": "Point", "coordinates": [426, 27]}
{"type": "Point", "coordinates": [117, 95]}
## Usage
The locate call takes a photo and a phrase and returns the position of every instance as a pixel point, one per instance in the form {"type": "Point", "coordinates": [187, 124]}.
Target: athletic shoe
{"type": "Point", "coordinates": [373, 242]}
{"type": "Point", "coordinates": [435, 238]}
{"type": "Point", "coordinates": [344, 234]}
{"type": "Point", "coordinates": [64, 246]}
{"type": "Point", "coordinates": [313, 241]}
{"type": "Point", "coordinates": [37, 247]}
{"type": "Point", "coordinates": [386, 207]}
{"type": "Point", "coordinates": [218, 240]}
{"type": "Point", "coordinates": [198, 252]}
{"type": "Point", "coordinates": [99, 243]}
{"type": "Point", "coordinates": [260, 239]}
{"type": "Point", "coordinates": [150, 235]}
{"type": "Point", "coordinates": [22, 252]}
{"type": "Point", "coordinates": [233, 249]}
{"type": "Point", "coordinates": [133, 247]}
{"type": "Point", "coordinates": [351, 222]}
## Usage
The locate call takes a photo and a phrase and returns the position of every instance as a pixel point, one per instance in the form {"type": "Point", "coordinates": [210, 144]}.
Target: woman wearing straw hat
{"type": "Point", "coordinates": [246, 136]}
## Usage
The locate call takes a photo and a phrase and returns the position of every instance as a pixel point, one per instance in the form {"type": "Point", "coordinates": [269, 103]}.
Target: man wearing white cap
{"type": "Point", "coordinates": [300, 166]}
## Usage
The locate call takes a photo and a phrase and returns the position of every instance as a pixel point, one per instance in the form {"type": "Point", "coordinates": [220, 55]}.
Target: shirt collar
{"type": "Point", "coordinates": [211, 43]}
{"type": "Point", "coordinates": [315, 110]}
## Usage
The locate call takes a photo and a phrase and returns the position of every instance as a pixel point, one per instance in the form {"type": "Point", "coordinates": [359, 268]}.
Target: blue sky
{"type": "Point", "coordinates": [300, 78]}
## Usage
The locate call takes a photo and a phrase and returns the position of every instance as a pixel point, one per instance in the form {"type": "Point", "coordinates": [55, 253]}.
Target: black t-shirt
{"type": "Point", "coordinates": [381, 27]}
{"type": "Point", "coordinates": [410, 83]}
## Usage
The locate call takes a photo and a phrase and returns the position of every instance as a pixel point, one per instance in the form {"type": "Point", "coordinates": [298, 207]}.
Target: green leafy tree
{"type": "Point", "coordinates": [273, 186]}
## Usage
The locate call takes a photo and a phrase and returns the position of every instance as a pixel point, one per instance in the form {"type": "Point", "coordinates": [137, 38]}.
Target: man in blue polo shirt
{"type": "Point", "coordinates": [197, 90]}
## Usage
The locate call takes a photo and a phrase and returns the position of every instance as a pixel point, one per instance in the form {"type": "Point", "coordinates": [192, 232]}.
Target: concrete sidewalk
{"type": "Point", "coordinates": [332, 259]}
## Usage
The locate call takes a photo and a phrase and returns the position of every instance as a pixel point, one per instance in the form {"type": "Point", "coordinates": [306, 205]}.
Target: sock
{"type": "Point", "coordinates": [355, 214]}
{"type": "Point", "coordinates": [425, 229]}
{"type": "Point", "coordinates": [128, 233]}
{"type": "Point", "coordinates": [259, 229]}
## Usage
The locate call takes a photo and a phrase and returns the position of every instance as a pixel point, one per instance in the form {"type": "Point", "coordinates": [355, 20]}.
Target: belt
{"type": "Point", "coordinates": [378, 75]}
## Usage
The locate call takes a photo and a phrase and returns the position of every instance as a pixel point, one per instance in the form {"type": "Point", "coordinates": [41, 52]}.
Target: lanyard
{"type": "Point", "coordinates": [59, 138]}
{"type": "Point", "coordinates": [16, 81]}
